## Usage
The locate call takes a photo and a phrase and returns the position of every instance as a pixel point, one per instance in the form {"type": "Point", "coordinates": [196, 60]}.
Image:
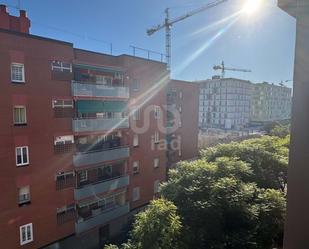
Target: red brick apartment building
{"type": "Point", "coordinates": [76, 160]}
{"type": "Point", "coordinates": [182, 98]}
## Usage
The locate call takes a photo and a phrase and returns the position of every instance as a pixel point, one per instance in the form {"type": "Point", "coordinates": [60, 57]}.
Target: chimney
{"type": "Point", "coordinates": [20, 24]}
{"type": "Point", "coordinates": [24, 22]}
{"type": "Point", "coordinates": [4, 18]}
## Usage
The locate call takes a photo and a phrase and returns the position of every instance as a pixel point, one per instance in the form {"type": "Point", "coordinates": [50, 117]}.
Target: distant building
{"type": "Point", "coordinates": [270, 102]}
{"type": "Point", "coordinates": [224, 103]}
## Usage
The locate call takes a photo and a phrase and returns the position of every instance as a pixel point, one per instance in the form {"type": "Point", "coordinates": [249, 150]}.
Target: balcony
{"type": "Point", "coordinates": [94, 157]}
{"type": "Point", "coordinates": [95, 124]}
{"type": "Point", "coordinates": [84, 89]}
{"type": "Point", "coordinates": [101, 217]}
{"type": "Point", "coordinates": [101, 187]}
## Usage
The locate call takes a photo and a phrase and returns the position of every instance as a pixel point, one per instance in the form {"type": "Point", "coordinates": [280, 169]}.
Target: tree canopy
{"type": "Point", "coordinates": [232, 197]}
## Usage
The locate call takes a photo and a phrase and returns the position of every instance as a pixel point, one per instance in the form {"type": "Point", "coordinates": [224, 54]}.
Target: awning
{"type": "Point", "coordinates": [98, 68]}
{"type": "Point", "coordinates": [97, 106]}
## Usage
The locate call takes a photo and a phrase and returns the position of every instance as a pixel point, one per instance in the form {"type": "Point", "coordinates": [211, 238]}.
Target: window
{"type": "Point", "coordinates": [65, 214]}
{"type": "Point", "coordinates": [64, 140]}
{"type": "Point", "coordinates": [63, 144]}
{"type": "Point", "coordinates": [118, 76]}
{"type": "Point", "coordinates": [135, 85]}
{"type": "Point", "coordinates": [24, 195]}
{"type": "Point", "coordinates": [136, 194]}
{"type": "Point", "coordinates": [63, 108]}
{"type": "Point", "coordinates": [17, 72]}
{"type": "Point", "coordinates": [156, 162]}
{"type": "Point", "coordinates": [180, 94]}
{"type": "Point", "coordinates": [83, 176]}
{"type": "Point", "coordinates": [22, 156]}
{"type": "Point", "coordinates": [20, 117]}
{"type": "Point", "coordinates": [135, 167]}
{"type": "Point", "coordinates": [156, 137]}
{"type": "Point", "coordinates": [26, 234]}
{"type": "Point", "coordinates": [157, 112]}
{"type": "Point", "coordinates": [61, 66]}
{"type": "Point", "coordinates": [135, 140]}
{"type": "Point", "coordinates": [136, 113]}
{"type": "Point", "coordinates": [156, 186]}
{"type": "Point", "coordinates": [65, 180]}
{"type": "Point", "coordinates": [104, 80]}
{"type": "Point", "coordinates": [62, 103]}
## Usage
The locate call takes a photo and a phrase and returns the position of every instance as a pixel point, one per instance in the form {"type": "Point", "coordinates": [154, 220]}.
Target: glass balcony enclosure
{"type": "Point", "coordinates": [93, 81]}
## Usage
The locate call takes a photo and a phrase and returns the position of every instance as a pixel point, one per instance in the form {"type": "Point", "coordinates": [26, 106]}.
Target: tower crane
{"type": "Point", "coordinates": [168, 23]}
{"type": "Point", "coordinates": [223, 68]}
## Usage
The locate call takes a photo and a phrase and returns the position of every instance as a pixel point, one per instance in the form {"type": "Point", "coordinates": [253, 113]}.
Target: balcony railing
{"type": "Point", "coordinates": [96, 90]}
{"type": "Point", "coordinates": [101, 217]}
{"type": "Point", "coordinates": [94, 157]}
{"type": "Point", "coordinates": [88, 125]}
{"type": "Point", "coordinates": [101, 187]}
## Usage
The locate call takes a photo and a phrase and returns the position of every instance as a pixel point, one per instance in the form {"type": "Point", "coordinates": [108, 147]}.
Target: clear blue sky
{"type": "Point", "coordinates": [263, 42]}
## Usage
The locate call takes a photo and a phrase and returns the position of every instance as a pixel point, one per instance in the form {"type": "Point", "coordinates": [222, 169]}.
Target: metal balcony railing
{"type": "Point", "coordinates": [101, 187]}
{"type": "Point", "coordinates": [99, 156]}
{"type": "Point", "coordinates": [88, 125]}
{"type": "Point", "coordinates": [100, 217]}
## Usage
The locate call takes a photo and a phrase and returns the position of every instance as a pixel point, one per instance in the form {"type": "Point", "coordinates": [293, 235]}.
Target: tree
{"type": "Point", "coordinates": [158, 227]}
{"type": "Point", "coordinates": [221, 208]}
{"type": "Point", "coordinates": [280, 131]}
{"type": "Point", "coordinates": [267, 157]}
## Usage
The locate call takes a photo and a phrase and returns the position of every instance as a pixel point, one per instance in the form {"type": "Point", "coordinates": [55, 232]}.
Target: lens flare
{"type": "Point", "coordinates": [251, 6]}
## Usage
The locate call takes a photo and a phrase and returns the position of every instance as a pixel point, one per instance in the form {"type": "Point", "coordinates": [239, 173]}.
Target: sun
{"type": "Point", "coordinates": [251, 6]}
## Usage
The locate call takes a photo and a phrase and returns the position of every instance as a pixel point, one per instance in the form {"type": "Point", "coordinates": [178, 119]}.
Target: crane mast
{"type": "Point", "coordinates": [168, 23]}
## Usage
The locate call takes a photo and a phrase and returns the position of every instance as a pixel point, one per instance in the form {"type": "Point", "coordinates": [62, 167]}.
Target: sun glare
{"type": "Point", "coordinates": [251, 6]}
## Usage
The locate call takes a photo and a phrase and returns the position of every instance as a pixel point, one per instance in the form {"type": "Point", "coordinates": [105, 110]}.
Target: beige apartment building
{"type": "Point", "coordinates": [224, 103]}
{"type": "Point", "coordinates": [270, 102]}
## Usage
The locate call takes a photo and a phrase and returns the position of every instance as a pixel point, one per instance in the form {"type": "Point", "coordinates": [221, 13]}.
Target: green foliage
{"type": "Point", "coordinates": [222, 208]}
{"type": "Point", "coordinates": [280, 131]}
{"type": "Point", "coordinates": [158, 227]}
{"type": "Point", "coordinates": [266, 156]}
{"type": "Point", "coordinates": [111, 247]}
{"type": "Point", "coordinates": [232, 197]}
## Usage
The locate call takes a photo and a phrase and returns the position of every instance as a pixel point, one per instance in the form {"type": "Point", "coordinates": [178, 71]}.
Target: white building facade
{"type": "Point", "coordinates": [224, 103]}
{"type": "Point", "coordinates": [270, 103]}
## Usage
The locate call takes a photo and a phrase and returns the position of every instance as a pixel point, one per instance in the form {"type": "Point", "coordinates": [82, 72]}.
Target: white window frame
{"type": "Point", "coordinates": [22, 66]}
{"type": "Point", "coordinates": [136, 194]}
{"type": "Point", "coordinates": [22, 159]}
{"type": "Point", "coordinates": [27, 227]}
{"type": "Point", "coordinates": [136, 113]}
{"type": "Point", "coordinates": [85, 177]}
{"type": "Point", "coordinates": [136, 85]}
{"type": "Point", "coordinates": [157, 112]}
{"type": "Point", "coordinates": [135, 140]}
{"type": "Point", "coordinates": [156, 137]}
{"type": "Point", "coordinates": [156, 162]}
{"type": "Point", "coordinates": [69, 139]}
{"type": "Point", "coordinates": [26, 200]}
{"type": "Point", "coordinates": [62, 105]}
{"type": "Point", "coordinates": [19, 107]}
{"type": "Point", "coordinates": [61, 67]}
{"type": "Point", "coordinates": [156, 186]}
{"type": "Point", "coordinates": [135, 165]}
